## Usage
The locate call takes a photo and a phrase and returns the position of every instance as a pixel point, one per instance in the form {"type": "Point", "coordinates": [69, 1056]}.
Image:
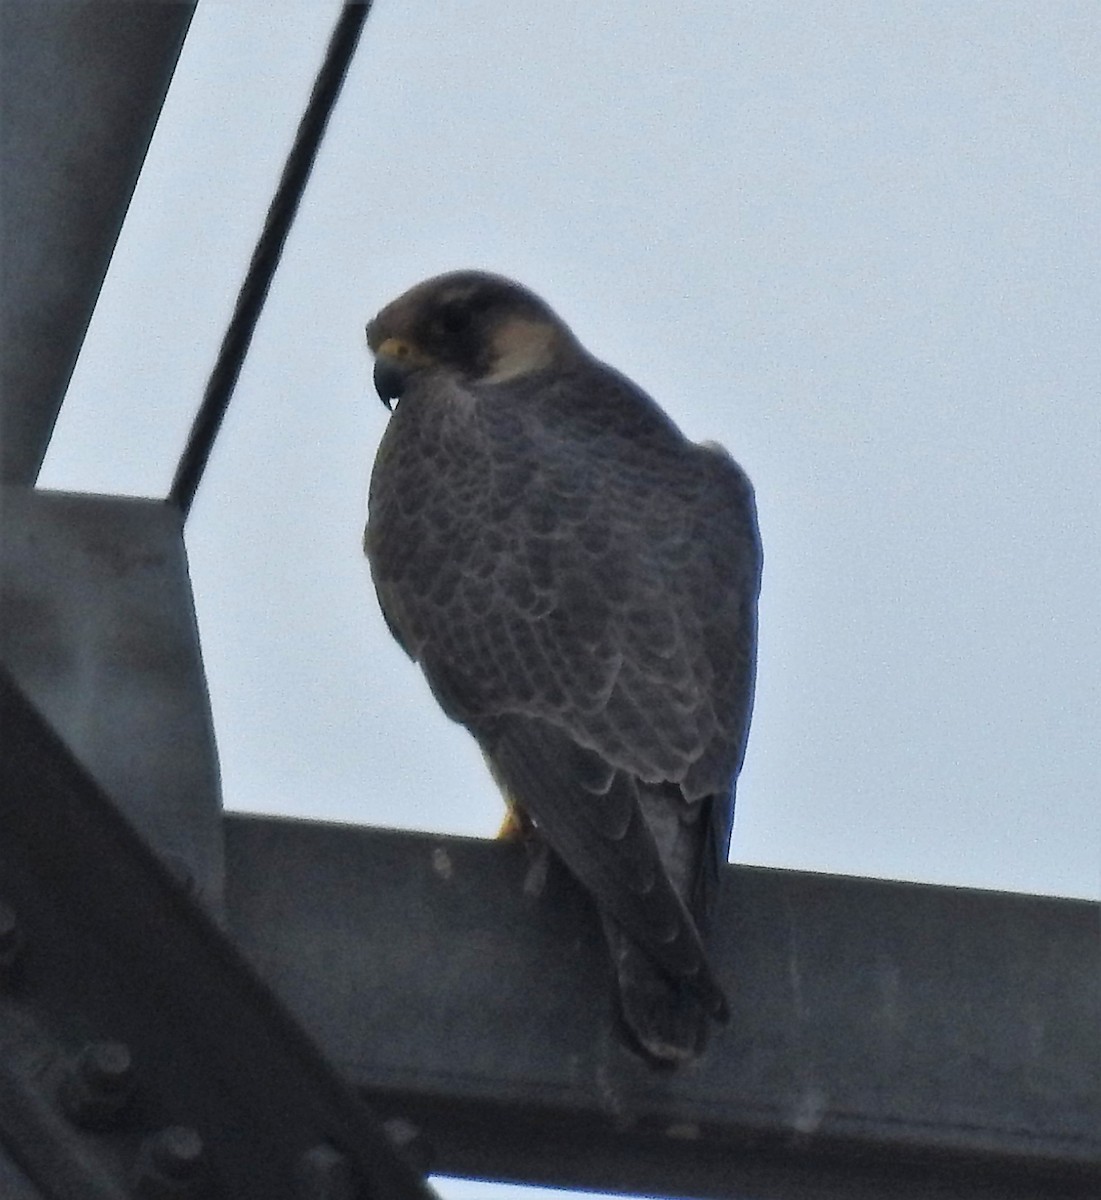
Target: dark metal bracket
{"type": "Point", "coordinates": [139, 1056]}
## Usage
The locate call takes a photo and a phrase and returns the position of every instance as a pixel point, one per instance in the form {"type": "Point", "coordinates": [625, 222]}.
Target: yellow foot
{"type": "Point", "coordinates": [515, 827]}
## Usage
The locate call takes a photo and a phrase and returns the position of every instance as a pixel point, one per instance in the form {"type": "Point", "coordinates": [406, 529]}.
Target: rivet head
{"type": "Point", "coordinates": [323, 1173]}
{"type": "Point", "coordinates": [408, 1140]}
{"type": "Point", "coordinates": [106, 1066]}
{"type": "Point", "coordinates": [169, 1163]}
{"type": "Point", "coordinates": [97, 1085]}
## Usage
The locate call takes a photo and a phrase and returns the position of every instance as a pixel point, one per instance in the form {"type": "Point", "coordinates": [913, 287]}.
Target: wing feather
{"type": "Point", "coordinates": [579, 584]}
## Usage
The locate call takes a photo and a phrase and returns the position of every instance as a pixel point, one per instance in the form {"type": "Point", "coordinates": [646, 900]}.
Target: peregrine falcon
{"type": "Point", "coordinates": [579, 583]}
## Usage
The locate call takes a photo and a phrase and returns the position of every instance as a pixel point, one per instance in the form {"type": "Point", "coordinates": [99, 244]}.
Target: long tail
{"type": "Point", "coordinates": [666, 1018]}
{"type": "Point", "coordinates": [667, 1015]}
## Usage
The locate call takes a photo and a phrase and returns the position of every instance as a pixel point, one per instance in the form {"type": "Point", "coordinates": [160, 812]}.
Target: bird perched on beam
{"type": "Point", "coordinates": [578, 582]}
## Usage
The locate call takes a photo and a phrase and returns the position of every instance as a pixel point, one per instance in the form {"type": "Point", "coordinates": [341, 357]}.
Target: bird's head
{"type": "Point", "coordinates": [479, 328]}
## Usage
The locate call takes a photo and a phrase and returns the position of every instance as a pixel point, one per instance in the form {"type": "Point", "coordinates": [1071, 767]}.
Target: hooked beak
{"type": "Point", "coordinates": [389, 381]}
{"type": "Point", "coordinates": [395, 359]}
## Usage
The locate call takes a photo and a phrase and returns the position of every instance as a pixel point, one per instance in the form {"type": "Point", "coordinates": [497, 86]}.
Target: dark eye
{"type": "Point", "coordinates": [453, 319]}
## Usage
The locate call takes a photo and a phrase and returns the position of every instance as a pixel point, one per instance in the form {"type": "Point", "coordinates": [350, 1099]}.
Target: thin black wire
{"type": "Point", "coordinates": [265, 257]}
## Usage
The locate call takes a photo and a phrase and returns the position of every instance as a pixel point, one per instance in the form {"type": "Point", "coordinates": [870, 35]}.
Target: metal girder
{"type": "Point", "coordinates": [81, 86]}
{"type": "Point", "coordinates": [139, 1055]}
{"type": "Point", "coordinates": [14, 1184]}
{"type": "Point", "coordinates": [97, 626]}
{"type": "Point", "coordinates": [887, 1039]}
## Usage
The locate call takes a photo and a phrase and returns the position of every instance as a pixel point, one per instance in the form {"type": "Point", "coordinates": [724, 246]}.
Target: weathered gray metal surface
{"type": "Point", "coordinates": [14, 1184]}
{"type": "Point", "coordinates": [887, 1039]}
{"type": "Point", "coordinates": [98, 627]}
{"type": "Point", "coordinates": [64, 1162]}
{"type": "Point", "coordinates": [81, 86]}
{"type": "Point", "coordinates": [101, 946]}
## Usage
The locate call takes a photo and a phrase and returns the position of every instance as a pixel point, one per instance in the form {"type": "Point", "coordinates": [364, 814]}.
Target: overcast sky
{"type": "Point", "coordinates": [856, 243]}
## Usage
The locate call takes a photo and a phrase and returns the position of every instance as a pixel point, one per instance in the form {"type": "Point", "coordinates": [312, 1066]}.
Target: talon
{"type": "Point", "coordinates": [515, 827]}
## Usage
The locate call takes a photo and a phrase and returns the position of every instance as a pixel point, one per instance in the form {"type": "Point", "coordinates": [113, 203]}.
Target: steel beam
{"type": "Point", "coordinates": [887, 1039]}
{"type": "Point", "coordinates": [14, 1184]}
{"type": "Point", "coordinates": [81, 86]}
{"type": "Point", "coordinates": [139, 1055]}
{"type": "Point", "coordinates": [97, 626]}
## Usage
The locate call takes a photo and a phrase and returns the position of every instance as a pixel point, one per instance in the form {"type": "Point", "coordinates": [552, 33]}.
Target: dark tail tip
{"type": "Point", "coordinates": [668, 1019]}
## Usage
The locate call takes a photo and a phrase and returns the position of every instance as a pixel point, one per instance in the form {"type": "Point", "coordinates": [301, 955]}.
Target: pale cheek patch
{"type": "Point", "coordinates": [520, 347]}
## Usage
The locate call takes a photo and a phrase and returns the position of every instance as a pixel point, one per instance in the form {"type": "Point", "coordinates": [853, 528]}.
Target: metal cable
{"type": "Point", "coordinates": [266, 255]}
